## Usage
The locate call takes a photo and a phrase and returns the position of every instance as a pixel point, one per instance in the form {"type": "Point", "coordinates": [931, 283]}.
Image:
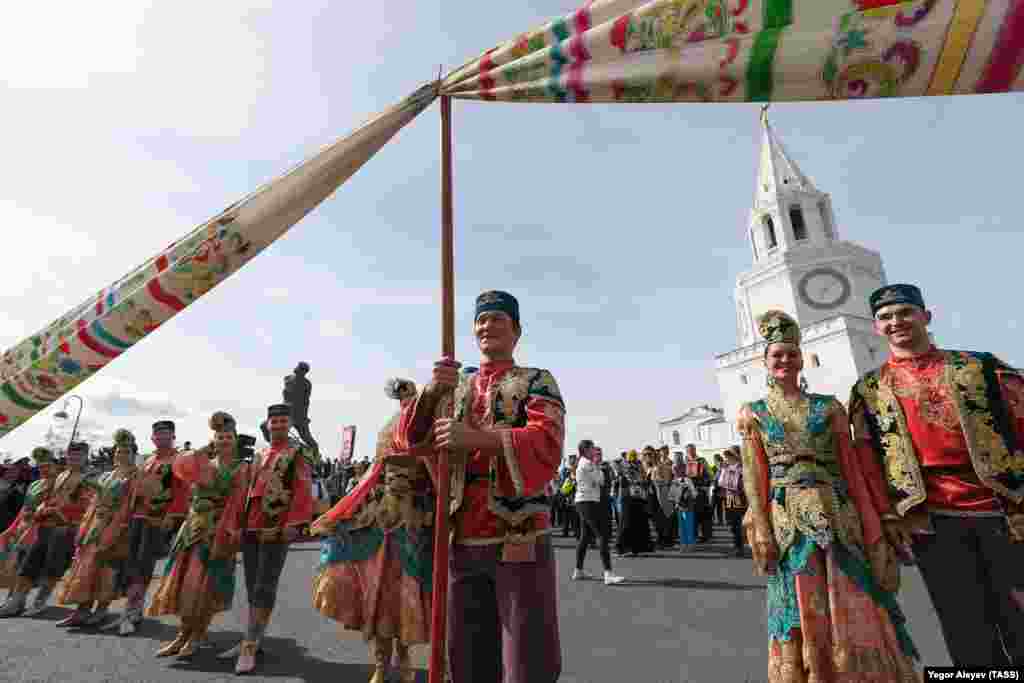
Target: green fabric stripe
{"type": "Point", "coordinates": [18, 400]}
{"type": "Point", "coordinates": [778, 13]}
{"type": "Point", "coordinates": [760, 77]}
{"type": "Point", "coordinates": [103, 335]}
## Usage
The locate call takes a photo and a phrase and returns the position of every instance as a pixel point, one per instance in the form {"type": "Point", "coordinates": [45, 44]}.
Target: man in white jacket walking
{"type": "Point", "coordinates": [593, 519]}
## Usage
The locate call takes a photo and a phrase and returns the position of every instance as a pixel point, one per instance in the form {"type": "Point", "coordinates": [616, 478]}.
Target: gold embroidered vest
{"type": "Point", "coordinates": [995, 450]}
{"type": "Point", "coordinates": [807, 493]}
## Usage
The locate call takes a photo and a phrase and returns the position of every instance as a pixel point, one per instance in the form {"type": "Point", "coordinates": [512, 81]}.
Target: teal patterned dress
{"type": "Point", "coordinates": [826, 611]}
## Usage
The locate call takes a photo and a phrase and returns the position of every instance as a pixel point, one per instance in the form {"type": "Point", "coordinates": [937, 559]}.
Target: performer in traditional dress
{"type": "Point", "coordinates": [200, 578]}
{"type": "Point", "coordinates": [832, 610]}
{"type": "Point", "coordinates": [510, 422]}
{"type": "Point", "coordinates": [102, 540]}
{"type": "Point", "coordinates": [156, 515]}
{"type": "Point", "coordinates": [377, 553]}
{"type": "Point", "coordinates": [46, 561]}
{"type": "Point", "coordinates": [635, 533]}
{"type": "Point", "coordinates": [25, 533]}
{"type": "Point", "coordinates": [279, 504]}
{"type": "Point", "coordinates": [734, 500]}
{"type": "Point", "coordinates": [949, 428]}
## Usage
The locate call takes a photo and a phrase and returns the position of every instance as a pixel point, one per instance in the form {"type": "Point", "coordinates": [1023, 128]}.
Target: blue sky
{"type": "Point", "coordinates": [619, 227]}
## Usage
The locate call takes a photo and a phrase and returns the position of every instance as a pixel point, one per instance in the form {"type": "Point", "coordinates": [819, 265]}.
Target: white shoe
{"type": "Point", "coordinates": [612, 579]}
{"type": "Point", "coordinates": [579, 575]}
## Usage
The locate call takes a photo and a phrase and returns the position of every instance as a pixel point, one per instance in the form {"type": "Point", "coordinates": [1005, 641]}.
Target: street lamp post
{"type": "Point", "coordinates": [63, 415]}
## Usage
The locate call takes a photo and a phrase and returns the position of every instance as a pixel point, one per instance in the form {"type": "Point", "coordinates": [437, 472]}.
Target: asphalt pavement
{"type": "Point", "coordinates": [680, 618]}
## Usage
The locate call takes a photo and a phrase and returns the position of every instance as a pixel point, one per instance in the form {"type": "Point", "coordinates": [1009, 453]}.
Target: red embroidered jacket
{"type": "Point", "coordinates": [497, 499]}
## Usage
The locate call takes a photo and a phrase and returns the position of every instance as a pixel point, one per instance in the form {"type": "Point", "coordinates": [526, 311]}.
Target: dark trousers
{"type": "Point", "coordinates": [705, 522]}
{"type": "Point", "coordinates": [734, 517]}
{"type": "Point", "coordinates": [503, 616]}
{"type": "Point", "coordinates": [570, 521]}
{"type": "Point", "coordinates": [974, 576]}
{"type": "Point", "coordinates": [50, 556]}
{"type": "Point", "coordinates": [718, 505]}
{"type": "Point", "coordinates": [263, 563]}
{"type": "Point", "coordinates": [147, 544]}
{"type": "Point", "coordinates": [555, 510]}
{"type": "Point", "coordinates": [594, 523]}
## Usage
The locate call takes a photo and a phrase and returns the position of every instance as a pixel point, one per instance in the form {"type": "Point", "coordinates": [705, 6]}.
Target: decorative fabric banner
{"type": "Point", "coordinates": [40, 369]}
{"type": "Point", "coordinates": [755, 51]}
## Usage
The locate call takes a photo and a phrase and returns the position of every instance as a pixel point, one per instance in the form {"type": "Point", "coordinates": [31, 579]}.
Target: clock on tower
{"type": "Point", "coordinates": [824, 288]}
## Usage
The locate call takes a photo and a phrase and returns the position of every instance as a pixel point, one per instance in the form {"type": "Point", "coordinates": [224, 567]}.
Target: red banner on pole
{"type": "Point", "coordinates": [348, 444]}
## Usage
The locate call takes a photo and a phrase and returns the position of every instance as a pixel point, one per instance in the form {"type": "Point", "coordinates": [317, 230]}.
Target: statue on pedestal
{"type": "Point", "coordinates": [296, 392]}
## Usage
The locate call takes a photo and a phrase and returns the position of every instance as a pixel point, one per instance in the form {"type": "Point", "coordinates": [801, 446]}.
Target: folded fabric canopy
{"type": "Point", "coordinates": [607, 51]}
{"type": "Point", "coordinates": [755, 51]}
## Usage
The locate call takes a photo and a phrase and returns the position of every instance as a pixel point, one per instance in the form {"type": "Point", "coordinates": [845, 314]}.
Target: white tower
{"type": "Point", "coordinates": [803, 268]}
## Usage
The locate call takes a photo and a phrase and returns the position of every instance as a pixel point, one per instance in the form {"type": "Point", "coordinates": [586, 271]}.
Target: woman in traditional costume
{"type": "Point", "coordinates": [376, 553]}
{"type": "Point", "coordinates": [832, 578]}
{"type": "Point", "coordinates": [635, 532]}
{"type": "Point", "coordinates": [102, 540]}
{"type": "Point", "coordinates": [21, 533]}
{"type": "Point", "coordinates": [200, 577]}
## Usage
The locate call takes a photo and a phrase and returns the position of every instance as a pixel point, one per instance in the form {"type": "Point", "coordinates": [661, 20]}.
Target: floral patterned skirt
{"type": "Point", "coordinates": [92, 578]}
{"type": "Point", "coordinates": [195, 584]}
{"type": "Point", "coordinates": [377, 581]}
{"type": "Point", "coordinates": [829, 622]}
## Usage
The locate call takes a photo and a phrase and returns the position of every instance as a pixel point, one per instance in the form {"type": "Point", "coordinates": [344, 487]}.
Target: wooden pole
{"type": "Point", "coordinates": [439, 594]}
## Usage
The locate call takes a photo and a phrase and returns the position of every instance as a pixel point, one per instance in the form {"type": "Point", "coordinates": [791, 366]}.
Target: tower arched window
{"type": "Point", "coordinates": [675, 437]}
{"type": "Point", "coordinates": [753, 243]}
{"type": "Point", "coordinates": [796, 219]}
{"type": "Point", "coordinates": [826, 219]}
{"type": "Point", "coordinates": [769, 231]}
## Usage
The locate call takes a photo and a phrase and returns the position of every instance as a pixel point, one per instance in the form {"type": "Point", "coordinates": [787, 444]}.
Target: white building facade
{"type": "Point", "coordinates": [703, 426]}
{"type": "Point", "coordinates": [802, 267]}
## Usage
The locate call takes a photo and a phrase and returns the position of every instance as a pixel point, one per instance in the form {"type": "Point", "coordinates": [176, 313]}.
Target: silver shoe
{"type": "Point", "coordinates": [14, 606]}
{"type": "Point", "coordinates": [232, 653]}
{"type": "Point", "coordinates": [40, 604]}
{"type": "Point", "coordinates": [115, 624]}
{"type": "Point", "coordinates": [128, 627]}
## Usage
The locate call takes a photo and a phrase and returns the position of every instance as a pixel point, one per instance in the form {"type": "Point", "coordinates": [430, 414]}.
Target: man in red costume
{"type": "Point", "coordinates": [510, 423]}
{"type": "Point", "coordinates": [46, 529]}
{"type": "Point", "coordinates": [157, 513]}
{"type": "Point", "coordinates": [948, 429]}
{"type": "Point", "coordinates": [280, 503]}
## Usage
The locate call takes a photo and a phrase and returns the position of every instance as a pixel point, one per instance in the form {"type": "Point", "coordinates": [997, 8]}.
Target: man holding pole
{"type": "Point", "coordinates": [506, 431]}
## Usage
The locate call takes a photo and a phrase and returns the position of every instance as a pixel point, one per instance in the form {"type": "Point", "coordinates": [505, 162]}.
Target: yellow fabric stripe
{"type": "Point", "coordinates": [964, 24]}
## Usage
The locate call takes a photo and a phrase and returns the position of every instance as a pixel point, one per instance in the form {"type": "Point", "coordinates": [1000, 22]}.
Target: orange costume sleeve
{"type": "Point", "coordinates": [757, 520]}
{"type": "Point", "coordinates": [863, 478]}
{"type": "Point", "coordinates": [870, 460]}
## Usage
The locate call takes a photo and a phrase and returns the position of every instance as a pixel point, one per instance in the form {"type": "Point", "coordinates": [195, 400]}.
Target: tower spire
{"type": "Point", "coordinates": [778, 172]}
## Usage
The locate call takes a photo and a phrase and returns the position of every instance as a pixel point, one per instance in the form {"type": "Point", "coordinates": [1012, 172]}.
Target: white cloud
{"type": "Point", "coordinates": [333, 329]}
{"type": "Point", "coordinates": [277, 293]}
